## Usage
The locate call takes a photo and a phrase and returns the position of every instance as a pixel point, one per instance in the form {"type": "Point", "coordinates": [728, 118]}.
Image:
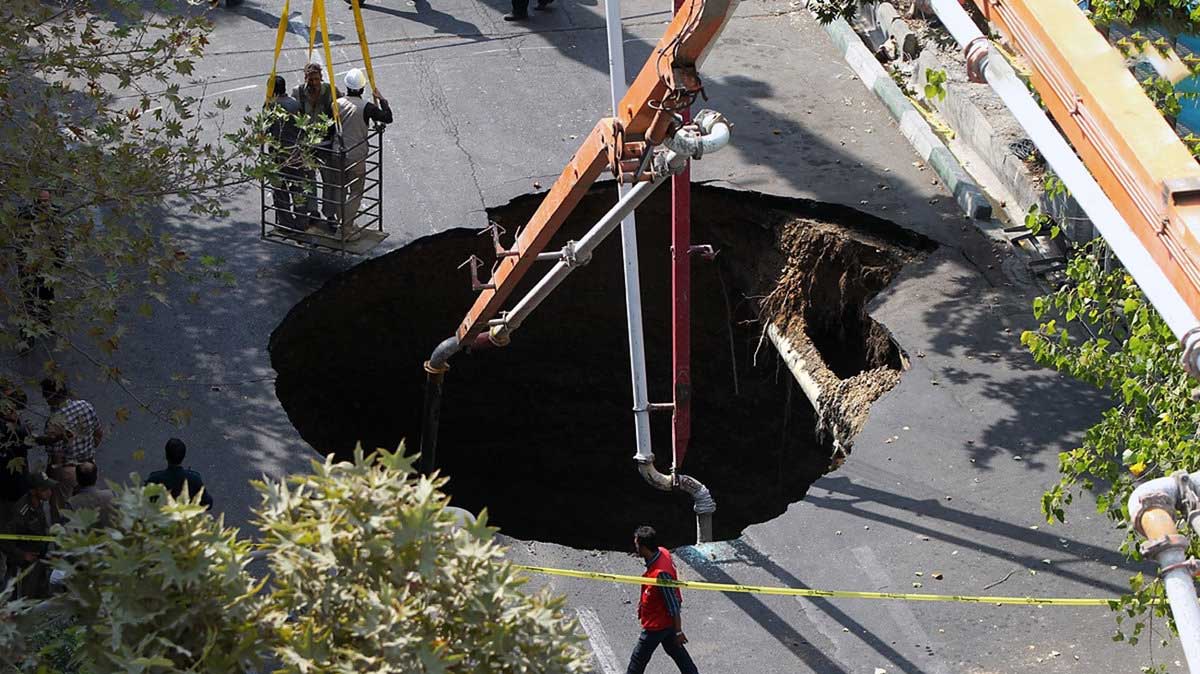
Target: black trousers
{"type": "Point", "coordinates": [520, 7]}
{"type": "Point", "coordinates": [648, 642]}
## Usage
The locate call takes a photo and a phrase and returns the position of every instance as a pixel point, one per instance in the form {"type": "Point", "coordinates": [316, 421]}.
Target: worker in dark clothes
{"type": "Point", "coordinates": [659, 608]}
{"type": "Point", "coordinates": [34, 515]}
{"type": "Point", "coordinates": [520, 9]}
{"type": "Point", "coordinates": [175, 476]}
{"type": "Point", "coordinates": [287, 186]}
{"type": "Point", "coordinates": [15, 441]}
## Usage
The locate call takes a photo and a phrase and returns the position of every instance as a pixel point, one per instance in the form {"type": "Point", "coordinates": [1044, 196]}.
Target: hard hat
{"type": "Point", "coordinates": [356, 80]}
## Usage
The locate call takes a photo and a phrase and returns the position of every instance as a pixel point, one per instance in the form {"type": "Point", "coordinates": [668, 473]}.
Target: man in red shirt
{"type": "Point", "coordinates": [659, 608]}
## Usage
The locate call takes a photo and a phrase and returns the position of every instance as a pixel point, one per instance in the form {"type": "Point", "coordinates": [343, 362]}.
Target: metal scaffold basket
{"type": "Point", "coordinates": [330, 200]}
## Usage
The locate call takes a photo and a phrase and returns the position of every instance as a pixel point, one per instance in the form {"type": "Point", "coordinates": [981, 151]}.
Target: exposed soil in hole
{"type": "Point", "coordinates": [541, 432]}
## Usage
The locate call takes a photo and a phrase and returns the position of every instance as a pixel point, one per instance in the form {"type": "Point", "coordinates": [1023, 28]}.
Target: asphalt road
{"type": "Point", "coordinates": [947, 473]}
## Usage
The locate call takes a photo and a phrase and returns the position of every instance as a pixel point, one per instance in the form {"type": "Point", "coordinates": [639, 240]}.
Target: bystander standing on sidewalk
{"type": "Point", "coordinates": [34, 516]}
{"type": "Point", "coordinates": [72, 434]}
{"type": "Point", "coordinates": [175, 476]}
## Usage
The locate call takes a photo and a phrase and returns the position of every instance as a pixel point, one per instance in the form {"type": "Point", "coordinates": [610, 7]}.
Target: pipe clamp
{"type": "Point", "coordinates": [1192, 566]}
{"type": "Point", "coordinates": [1155, 547]}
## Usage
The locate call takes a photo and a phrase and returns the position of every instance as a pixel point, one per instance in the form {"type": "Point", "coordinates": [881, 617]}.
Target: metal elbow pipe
{"type": "Point", "coordinates": [652, 476]}
{"type": "Point", "coordinates": [439, 360]}
{"type": "Point", "coordinates": [1162, 492]}
{"type": "Point", "coordinates": [708, 132]}
{"type": "Point", "coordinates": [703, 503]}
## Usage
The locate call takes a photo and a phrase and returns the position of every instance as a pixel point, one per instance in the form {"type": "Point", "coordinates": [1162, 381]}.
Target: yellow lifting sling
{"type": "Point", "coordinates": [316, 20]}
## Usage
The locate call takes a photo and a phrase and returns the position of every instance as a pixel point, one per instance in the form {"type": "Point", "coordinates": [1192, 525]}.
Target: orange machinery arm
{"type": "Point", "coordinates": [669, 75]}
{"type": "Point", "coordinates": [1129, 148]}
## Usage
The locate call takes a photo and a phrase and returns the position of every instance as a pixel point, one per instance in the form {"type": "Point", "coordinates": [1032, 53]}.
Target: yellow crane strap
{"type": "Point", "coordinates": [337, 116]}
{"type": "Point", "coordinates": [279, 33]}
{"type": "Point", "coordinates": [317, 6]}
{"type": "Point", "coordinates": [362, 43]}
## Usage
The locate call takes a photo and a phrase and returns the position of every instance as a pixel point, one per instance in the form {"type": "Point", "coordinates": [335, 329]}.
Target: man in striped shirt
{"type": "Point", "coordinates": [659, 608]}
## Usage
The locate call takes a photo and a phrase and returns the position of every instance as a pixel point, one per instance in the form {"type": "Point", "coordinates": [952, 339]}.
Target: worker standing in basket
{"type": "Point", "coordinates": [356, 116]}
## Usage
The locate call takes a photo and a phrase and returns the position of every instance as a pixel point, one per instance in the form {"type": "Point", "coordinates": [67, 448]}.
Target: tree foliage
{"type": "Point", "coordinates": [368, 572]}
{"type": "Point", "coordinates": [95, 108]}
{"type": "Point", "coordinates": [1173, 13]}
{"type": "Point", "coordinates": [1099, 328]}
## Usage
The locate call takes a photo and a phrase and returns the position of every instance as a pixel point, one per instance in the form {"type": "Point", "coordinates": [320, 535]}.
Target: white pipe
{"type": "Point", "coordinates": [1181, 589]}
{"type": "Point", "coordinates": [583, 252]}
{"type": "Point", "coordinates": [629, 249]}
{"type": "Point", "coordinates": [1099, 208]}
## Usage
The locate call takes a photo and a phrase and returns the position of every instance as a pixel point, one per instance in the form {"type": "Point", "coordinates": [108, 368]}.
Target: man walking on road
{"type": "Point", "coordinates": [659, 608]}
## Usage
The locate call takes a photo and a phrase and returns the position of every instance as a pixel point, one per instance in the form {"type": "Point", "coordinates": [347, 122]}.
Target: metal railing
{"type": "Point", "coordinates": [326, 197]}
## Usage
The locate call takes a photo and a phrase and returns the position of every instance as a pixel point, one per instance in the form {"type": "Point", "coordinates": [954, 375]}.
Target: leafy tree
{"type": "Point", "coordinates": [370, 574]}
{"type": "Point", "coordinates": [1172, 13]}
{"type": "Point", "coordinates": [1099, 328]}
{"type": "Point", "coordinates": [368, 571]}
{"type": "Point", "coordinates": [92, 110]}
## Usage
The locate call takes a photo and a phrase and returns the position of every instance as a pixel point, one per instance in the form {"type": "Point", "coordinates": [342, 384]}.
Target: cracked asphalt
{"type": "Point", "coordinates": [946, 475]}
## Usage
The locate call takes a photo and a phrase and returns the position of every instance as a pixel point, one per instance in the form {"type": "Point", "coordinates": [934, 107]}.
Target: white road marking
{"type": "Point", "coordinates": [900, 611]}
{"type": "Point", "coordinates": [603, 651]}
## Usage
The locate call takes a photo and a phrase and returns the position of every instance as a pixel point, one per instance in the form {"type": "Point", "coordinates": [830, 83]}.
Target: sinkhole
{"type": "Point", "coordinates": [541, 432]}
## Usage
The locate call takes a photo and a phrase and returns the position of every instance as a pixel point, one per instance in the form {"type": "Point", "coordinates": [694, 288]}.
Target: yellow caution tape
{"type": "Point", "coordinates": [279, 33]}
{"type": "Point", "coordinates": [763, 589]}
{"type": "Point", "coordinates": [362, 43]}
{"type": "Point", "coordinates": [37, 539]}
{"type": "Point", "coordinates": [808, 592]}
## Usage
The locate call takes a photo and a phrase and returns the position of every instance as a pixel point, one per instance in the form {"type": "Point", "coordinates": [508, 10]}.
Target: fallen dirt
{"type": "Point", "coordinates": [819, 303]}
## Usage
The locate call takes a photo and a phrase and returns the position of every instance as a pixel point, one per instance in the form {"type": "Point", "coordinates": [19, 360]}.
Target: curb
{"type": "Point", "coordinates": [935, 153]}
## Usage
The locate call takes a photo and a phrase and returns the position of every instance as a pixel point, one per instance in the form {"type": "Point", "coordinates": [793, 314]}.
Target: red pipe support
{"type": "Point", "coordinates": [681, 309]}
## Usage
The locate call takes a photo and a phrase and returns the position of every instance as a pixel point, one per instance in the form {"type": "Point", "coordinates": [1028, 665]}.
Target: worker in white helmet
{"type": "Point", "coordinates": [356, 115]}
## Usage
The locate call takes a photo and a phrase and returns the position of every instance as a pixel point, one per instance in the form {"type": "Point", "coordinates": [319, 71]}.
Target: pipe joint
{"type": "Point", "coordinates": [499, 335]}
{"type": "Point", "coordinates": [703, 502]}
{"type": "Point", "coordinates": [651, 474]}
{"type": "Point", "coordinates": [708, 132]}
{"type": "Point", "coordinates": [1191, 352]}
{"type": "Point", "coordinates": [439, 360]}
{"type": "Point", "coordinates": [1156, 547]}
{"type": "Point", "coordinates": [977, 52]}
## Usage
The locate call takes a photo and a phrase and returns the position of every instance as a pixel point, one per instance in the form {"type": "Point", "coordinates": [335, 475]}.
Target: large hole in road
{"type": "Point", "coordinates": [541, 432]}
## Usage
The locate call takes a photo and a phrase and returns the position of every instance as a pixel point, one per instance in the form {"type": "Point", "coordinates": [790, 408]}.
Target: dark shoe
{"type": "Point", "coordinates": [516, 17]}
{"type": "Point", "coordinates": [543, 4]}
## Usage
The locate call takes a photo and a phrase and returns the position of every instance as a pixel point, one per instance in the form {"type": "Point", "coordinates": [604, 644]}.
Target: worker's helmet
{"type": "Point", "coordinates": [356, 80]}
